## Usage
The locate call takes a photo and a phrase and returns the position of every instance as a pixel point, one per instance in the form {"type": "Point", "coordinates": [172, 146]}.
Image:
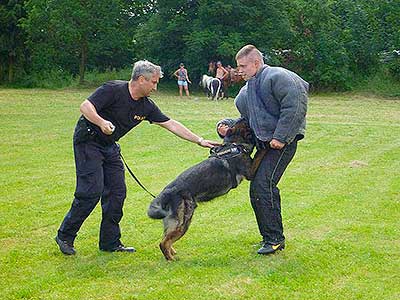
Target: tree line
{"type": "Point", "coordinates": [331, 43]}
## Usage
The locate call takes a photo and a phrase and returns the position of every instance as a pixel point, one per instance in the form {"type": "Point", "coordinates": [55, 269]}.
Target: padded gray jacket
{"type": "Point", "coordinates": [274, 102]}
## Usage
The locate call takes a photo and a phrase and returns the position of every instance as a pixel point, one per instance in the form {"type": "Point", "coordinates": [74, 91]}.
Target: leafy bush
{"type": "Point", "coordinates": [394, 65]}
{"type": "Point", "coordinates": [382, 83]}
{"type": "Point", "coordinates": [96, 77]}
{"type": "Point", "coordinates": [51, 79]}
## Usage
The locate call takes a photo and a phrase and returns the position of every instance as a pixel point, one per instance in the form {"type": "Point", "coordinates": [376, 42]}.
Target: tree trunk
{"type": "Point", "coordinates": [11, 62]}
{"type": "Point", "coordinates": [82, 64]}
{"type": "Point", "coordinates": [1, 71]}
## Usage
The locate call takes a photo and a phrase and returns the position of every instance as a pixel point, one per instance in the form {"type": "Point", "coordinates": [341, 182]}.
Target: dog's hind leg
{"type": "Point", "coordinates": [176, 226]}
{"type": "Point", "coordinates": [170, 229]}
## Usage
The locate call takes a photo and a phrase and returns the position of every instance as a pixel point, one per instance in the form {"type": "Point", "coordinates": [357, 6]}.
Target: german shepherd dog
{"type": "Point", "coordinates": [222, 171]}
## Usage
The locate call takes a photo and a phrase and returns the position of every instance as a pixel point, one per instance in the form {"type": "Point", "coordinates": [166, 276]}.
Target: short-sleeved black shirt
{"type": "Point", "coordinates": [114, 103]}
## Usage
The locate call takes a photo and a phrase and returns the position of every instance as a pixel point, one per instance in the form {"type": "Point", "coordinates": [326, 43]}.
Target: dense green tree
{"type": "Point", "coordinates": [231, 25]}
{"type": "Point", "coordinates": [388, 14]}
{"type": "Point", "coordinates": [331, 43]}
{"type": "Point", "coordinates": [319, 52]}
{"type": "Point", "coordinates": [197, 32]}
{"type": "Point", "coordinates": [12, 48]}
{"type": "Point", "coordinates": [360, 29]}
{"type": "Point", "coordinates": [70, 35]}
{"type": "Point", "coordinates": [161, 38]}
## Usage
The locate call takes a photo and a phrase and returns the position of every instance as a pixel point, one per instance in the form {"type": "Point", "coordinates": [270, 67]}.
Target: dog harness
{"type": "Point", "coordinates": [227, 152]}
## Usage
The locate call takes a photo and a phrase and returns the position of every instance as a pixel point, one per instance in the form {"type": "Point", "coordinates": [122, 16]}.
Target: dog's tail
{"type": "Point", "coordinates": [156, 210]}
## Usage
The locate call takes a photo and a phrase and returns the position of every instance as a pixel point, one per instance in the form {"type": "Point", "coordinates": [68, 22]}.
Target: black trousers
{"type": "Point", "coordinates": [99, 175]}
{"type": "Point", "coordinates": [264, 193]}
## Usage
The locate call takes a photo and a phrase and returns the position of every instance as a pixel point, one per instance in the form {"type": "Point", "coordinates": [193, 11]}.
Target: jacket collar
{"type": "Point", "coordinates": [258, 74]}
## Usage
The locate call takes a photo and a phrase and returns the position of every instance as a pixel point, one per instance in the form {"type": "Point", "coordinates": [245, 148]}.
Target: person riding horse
{"type": "Point", "coordinates": [232, 77]}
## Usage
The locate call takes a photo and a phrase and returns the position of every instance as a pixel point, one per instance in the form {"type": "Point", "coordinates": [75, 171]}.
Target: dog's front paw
{"type": "Point", "coordinates": [167, 252]}
{"type": "Point", "coordinates": [173, 251]}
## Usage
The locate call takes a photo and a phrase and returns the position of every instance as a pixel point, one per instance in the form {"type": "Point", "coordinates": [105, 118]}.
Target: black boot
{"type": "Point", "coordinates": [120, 248]}
{"type": "Point", "coordinates": [65, 247]}
{"type": "Point", "coordinates": [268, 248]}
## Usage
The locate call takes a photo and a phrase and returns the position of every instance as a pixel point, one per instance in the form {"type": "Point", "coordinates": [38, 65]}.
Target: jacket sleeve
{"type": "Point", "coordinates": [291, 92]}
{"type": "Point", "coordinates": [240, 102]}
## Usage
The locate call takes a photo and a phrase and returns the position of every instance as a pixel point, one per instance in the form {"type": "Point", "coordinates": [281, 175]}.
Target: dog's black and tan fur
{"type": "Point", "coordinates": [210, 178]}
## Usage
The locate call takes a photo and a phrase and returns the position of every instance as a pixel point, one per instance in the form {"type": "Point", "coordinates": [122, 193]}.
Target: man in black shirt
{"type": "Point", "coordinates": [107, 115]}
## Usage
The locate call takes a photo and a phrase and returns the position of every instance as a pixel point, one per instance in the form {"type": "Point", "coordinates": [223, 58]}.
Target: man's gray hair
{"type": "Point", "coordinates": [146, 69]}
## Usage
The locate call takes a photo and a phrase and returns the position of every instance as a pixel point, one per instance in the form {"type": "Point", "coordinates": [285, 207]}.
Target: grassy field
{"type": "Point", "coordinates": [341, 208]}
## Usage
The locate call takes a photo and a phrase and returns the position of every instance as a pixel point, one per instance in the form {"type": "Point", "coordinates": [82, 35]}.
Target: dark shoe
{"type": "Point", "coordinates": [65, 247]}
{"type": "Point", "coordinates": [259, 244]}
{"type": "Point", "coordinates": [269, 248]}
{"type": "Point", "coordinates": [120, 248]}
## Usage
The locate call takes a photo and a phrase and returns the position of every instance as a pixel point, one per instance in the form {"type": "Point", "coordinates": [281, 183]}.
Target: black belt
{"type": "Point", "coordinates": [94, 136]}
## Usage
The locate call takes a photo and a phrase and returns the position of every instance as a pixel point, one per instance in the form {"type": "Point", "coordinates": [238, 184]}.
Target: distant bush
{"type": "Point", "coordinates": [96, 77]}
{"type": "Point", "coordinates": [57, 78]}
{"type": "Point", "coordinates": [394, 64]}
{"type": "Point", "coordinates": [382, 83]}
{"type": "Point", "coordinates": [51, 79]}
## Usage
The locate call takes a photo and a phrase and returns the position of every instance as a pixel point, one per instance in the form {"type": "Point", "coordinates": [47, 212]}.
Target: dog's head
{"type": "Point", "coordinates": [240, 133]}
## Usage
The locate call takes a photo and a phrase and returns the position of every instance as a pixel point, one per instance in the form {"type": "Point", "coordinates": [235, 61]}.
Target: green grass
{"type": "Point", "coordinates": [341, 205]}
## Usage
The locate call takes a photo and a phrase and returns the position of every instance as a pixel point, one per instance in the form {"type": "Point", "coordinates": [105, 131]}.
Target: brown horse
{"type": "Point", "coordinates": [211, 68]}
{"type": "Point", "coordinates": [232, 78]}
{"type": "Point", "coordinates": [235, 76]}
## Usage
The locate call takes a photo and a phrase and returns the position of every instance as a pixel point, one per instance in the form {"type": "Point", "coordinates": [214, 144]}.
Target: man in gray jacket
{"type": "Point", "coordinates": [274, 101]}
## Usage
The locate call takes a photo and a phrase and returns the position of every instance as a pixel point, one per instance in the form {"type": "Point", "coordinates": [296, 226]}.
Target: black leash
{"type": "Point", "coordinates": [134, 177]}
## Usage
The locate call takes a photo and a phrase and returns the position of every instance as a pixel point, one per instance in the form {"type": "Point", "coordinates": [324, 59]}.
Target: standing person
{"type": "Point", "coordinates": [221, 73]}
{"type": "Point", "coordinates": [183, 79]}
{"type": "Point", "coordinates": [107, 115]}
{"type": "Point", "coordinates": [274, 100]}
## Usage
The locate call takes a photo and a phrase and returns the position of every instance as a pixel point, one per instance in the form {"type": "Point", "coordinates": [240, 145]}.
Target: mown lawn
{"type": "Point", "coordinates": [341, 208]}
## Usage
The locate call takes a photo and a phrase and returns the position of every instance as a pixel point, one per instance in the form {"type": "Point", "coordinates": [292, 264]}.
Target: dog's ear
{"type": "Point", "coordinates": [248, 133]}
{"type": "Point", "coordinates": [229, 132]}
{"type": "Point", "coordinates": [229, 135]}
{"type": "Point", "coordinates": [244, 131]}
{"type": "Point", "coordinates": [241, 129]}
